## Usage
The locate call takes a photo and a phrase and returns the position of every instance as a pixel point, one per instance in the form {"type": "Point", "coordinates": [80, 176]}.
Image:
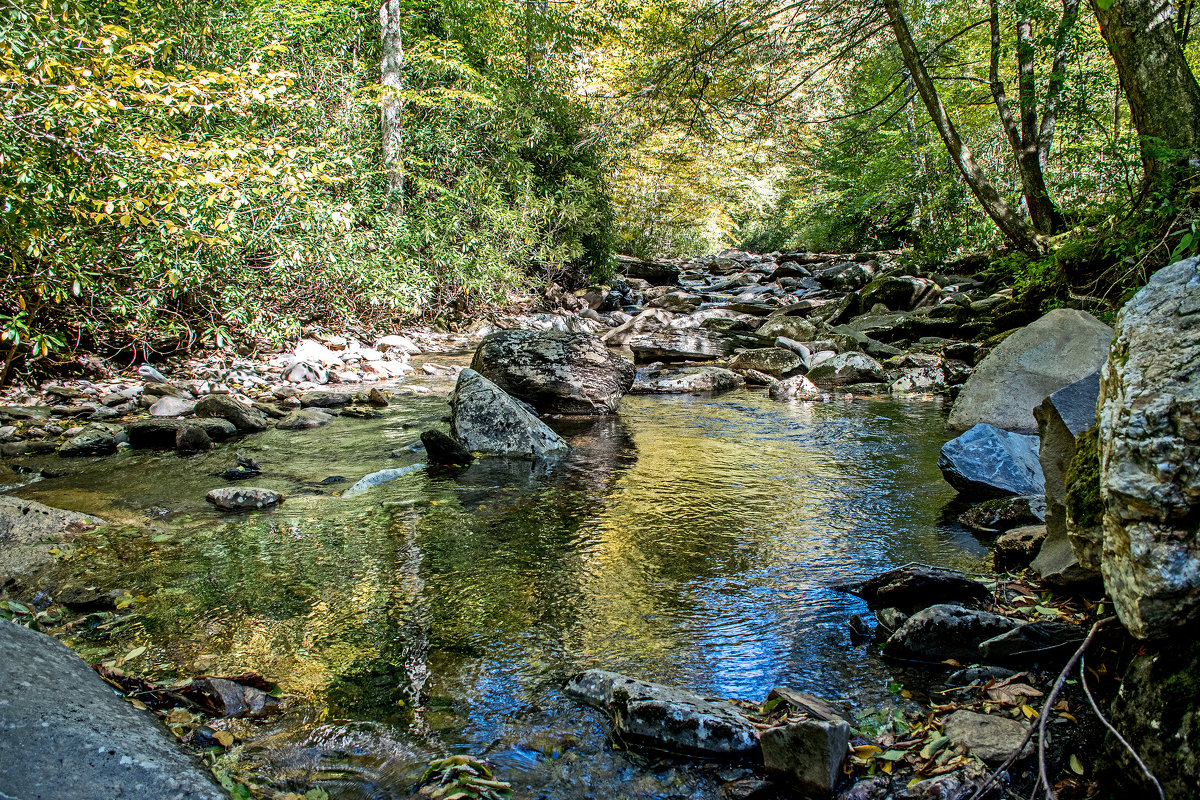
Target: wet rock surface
{"type": "Point", "coordinates": [946, 631]}
{"type": "Point", "coordinates": [244, 498]}
{"type": "Point", "coordinates": [67, 734]}
{"type": "Point", "coordinates": [487, 420]}
{"type": "Point", "coordinates": [674, 719]}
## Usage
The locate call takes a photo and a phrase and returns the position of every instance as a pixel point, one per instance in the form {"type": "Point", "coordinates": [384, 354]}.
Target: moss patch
{"type": "Point", "coordinates": [1083, 481]}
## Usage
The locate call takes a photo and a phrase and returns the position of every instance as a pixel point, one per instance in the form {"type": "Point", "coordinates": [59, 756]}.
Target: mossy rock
{"type": "Point", "coordinates": [1084, 506]}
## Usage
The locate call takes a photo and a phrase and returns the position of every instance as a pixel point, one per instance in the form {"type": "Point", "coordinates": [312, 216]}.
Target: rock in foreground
{"type": "Point", "coordinates": [66, 734]}
{"type": "Point", "coordinates": [1150, 455]}
{"type": "Point", "coordinates": [486, 420]}
{"type": "Point", "coordinates": [946, 631]}
{"type": "Point", "coordinates": [674, 719]}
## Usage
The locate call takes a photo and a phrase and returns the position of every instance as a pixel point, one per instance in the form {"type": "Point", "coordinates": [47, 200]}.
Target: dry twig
{"type": "Point", "coordinates": [1096, 708]}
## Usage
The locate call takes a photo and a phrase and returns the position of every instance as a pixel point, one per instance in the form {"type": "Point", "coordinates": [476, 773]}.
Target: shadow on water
{"type": "Point", "coordinates": [688, 540]}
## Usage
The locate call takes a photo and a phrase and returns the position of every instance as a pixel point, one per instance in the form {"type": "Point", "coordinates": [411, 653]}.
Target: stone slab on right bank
{"type": "Point", "coordinates": [1057, 350]}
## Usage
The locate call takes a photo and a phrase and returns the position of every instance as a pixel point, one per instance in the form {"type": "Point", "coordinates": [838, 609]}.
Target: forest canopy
{"type": "Point", "coordinates": [196, 172]}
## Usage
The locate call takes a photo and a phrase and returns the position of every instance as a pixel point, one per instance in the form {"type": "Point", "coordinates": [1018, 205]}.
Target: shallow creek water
{"type": "Point", "coordinates": [690, 540]}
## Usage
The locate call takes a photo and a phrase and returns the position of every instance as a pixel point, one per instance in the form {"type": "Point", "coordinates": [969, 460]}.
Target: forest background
{"type": "Point", "coordinates": [190, 173]}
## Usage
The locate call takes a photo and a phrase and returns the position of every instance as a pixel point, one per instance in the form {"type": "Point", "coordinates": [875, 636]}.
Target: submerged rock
{"type": "Point", "coordinates": [28, 530]}
{"type": "Point", "coordinates": [987, 461]}
{"type": "Point", "coordinates": [674, 719]}
{"type": "Point", "coordinates": [304, 419]}
{"type": "Point", "coordinates": [555, 371]}
{"type": "Point", "coordinates": [1057, 350]}
{"type": "Point", "coordinates": [244, 498]}
{"type": "Point", "coordinates": [487, 420]}
{"type": "Point", "coordinates": [381, 477]}
{"type": "Point", "coordinates": [1150, 455]}
{"type": "Point", "coordinates": [66, 734]}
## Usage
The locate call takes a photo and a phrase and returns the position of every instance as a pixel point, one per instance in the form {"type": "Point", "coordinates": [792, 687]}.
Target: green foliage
{"type": "Point", "coordinates": [204, 170]}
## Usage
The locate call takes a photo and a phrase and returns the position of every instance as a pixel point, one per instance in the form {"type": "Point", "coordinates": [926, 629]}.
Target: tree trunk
{"type": "Point", "coordinates": [1016, 229]}
{"type": "Point", "coordinates": [1164, 98]}
{"type": "Point", "coordinates": [391, 107]}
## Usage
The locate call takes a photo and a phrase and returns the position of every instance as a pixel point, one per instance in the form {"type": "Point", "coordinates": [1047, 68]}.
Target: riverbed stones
{"type": "Point", "coordinates": [67, 734]}
{"type": "Point", "coordinates": [28, 530]}
{"type": "Point", "coordinates": [689, 343]}
{"type": "Point", "coordinates": [657, 273]}
{"type": "Point", "coordinates": [945, 631]}
{"type": "Point", "coordinates": [987, 461]}
{"type": "Point", "coordinates": [556, 372]}
{"type": "Point", "coordinates": [442, 449]}
{"type": "Point", "coordinates": [244, 498]}
{"type": "Point", "coordinates": [773, 361]}
{"type": "Point", "coordinates": [1057, 350]}
{"type": "Point", "coordinates": [807, 754]}
{"type": "Point", "coordinates": [1046, 642]}
{"type": "Point", "coordinates": [846, 369]}
{"type": "Point", "coordinates": [688, 380]}
{"type": "Point", "coordinates": [1017, 548]}
{"type": "Point", "coordinates": [666, 717]}
{"type": "Point", "coordinates": [318, 398]}
{"type": "Point", "coordinates": [222, 406]}
{"type": "Point", "coordinates": [193, 439]}
{"type": "Point", "coordinates": [93, 441]}
{"type": "Point", "coordinates": [1149, 444]}
{"type": "Point", "coordinates": [913, 587]}
{"type": "Point", "coordinates": [797, 387]}
{"type": "Point", "coordinates": [171, 406]}
{"type": "Point", "coordinates": [1004, 513]}
{"type": "Point", "coordinates": [485, 419]}
{"type": "Point", "coordinates": [162, 433]}
{"type": "Point", "coordinates": [304, 419]}
{"type": "Point", "coordinates": [990, 738]}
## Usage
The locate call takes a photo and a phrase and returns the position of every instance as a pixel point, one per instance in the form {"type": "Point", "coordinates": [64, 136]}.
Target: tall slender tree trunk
{"type": "Point", "coordinates": [1012, 225]}
{"type": "Point", "coordinates": [1164, 98]}
{"type": "Point", "coordinates": [1030, 142]}
{"type": "Point", "coordinates": [392, 107]}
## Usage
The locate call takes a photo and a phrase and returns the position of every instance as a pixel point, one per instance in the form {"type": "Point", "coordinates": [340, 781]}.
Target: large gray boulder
{"type": "Point", "coordinates": [689, 343]}
{"type": "Point", "coordinates": [487, 420]}
{"type": "Point", "coordinates": [163, 433]}
{"type": "Point", "coordinates": [66, 734]}
{"type": "Point", "coordinates": [989, 462]}
{"type": "Point", "coordinates": [674, 719]}
{"type": "Point", "coordinates": [773, 361]}
{"type": "Point", "coordinates": [1150, 455]}
{"type": "Point", "coordinates": [808, 750]}
{"type": "Point", "coordinates": [1057, 350]}
{"type": "Point", "coordinates": [556, 372]}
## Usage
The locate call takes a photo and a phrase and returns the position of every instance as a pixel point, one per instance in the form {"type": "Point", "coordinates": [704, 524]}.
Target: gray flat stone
{"type": "Point", "coordinates": [64, 733]}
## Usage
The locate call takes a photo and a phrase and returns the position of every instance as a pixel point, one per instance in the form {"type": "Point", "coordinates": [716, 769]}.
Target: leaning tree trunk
{"type": "Point", "coordinates": [391, 107]}
{"type": "Point", "coordinates": [1164, 98]}
{"type": "Point", "coordinates": [1017, 230]}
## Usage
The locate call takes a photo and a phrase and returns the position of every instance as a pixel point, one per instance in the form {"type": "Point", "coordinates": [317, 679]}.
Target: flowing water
{"type": "Point", "coordinates": [690, 540]}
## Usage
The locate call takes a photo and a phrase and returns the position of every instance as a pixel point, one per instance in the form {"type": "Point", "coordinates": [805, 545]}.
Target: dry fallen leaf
{"type": "Point", "coordinates": [1013, 694]}
{"type": "Point", "coordinates": [224, 738]}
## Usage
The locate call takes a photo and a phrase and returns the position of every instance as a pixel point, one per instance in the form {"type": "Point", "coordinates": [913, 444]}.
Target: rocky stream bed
{"type": "Point", "coordinates": [715, 530]}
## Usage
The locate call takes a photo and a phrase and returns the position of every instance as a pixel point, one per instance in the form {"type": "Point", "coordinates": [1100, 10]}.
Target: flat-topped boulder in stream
{"type": "Point", "coordinates": [673, 719]}
{"type": "Point", "coordinates": [163, 433]}
{"type": "Point", "coordinates": [989, 462]}
{"type": "Point", "coordinates": [555, 371]}
{"type": "Point", "coordinates": [68, 735]}
{"type": "Point", "coordinates": [487, 420]}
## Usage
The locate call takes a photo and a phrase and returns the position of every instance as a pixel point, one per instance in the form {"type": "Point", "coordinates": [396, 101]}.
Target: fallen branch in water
{"type": "Point", "coordinates": [1096, 708]}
